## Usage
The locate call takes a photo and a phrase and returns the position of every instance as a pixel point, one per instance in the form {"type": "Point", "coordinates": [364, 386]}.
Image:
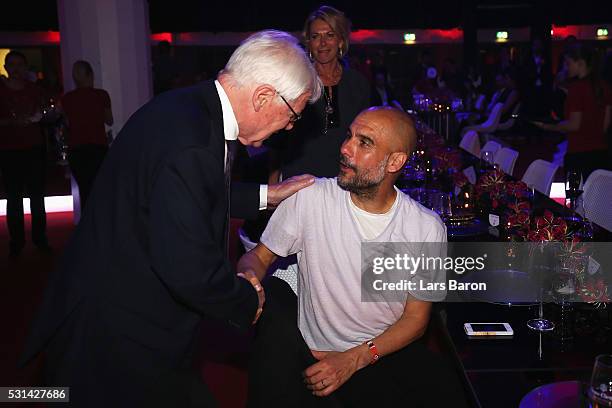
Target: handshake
{"type": "Point", "coordinates": [261, 296]}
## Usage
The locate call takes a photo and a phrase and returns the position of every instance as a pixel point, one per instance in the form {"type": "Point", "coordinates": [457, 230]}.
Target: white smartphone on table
{"type": "Point", "coordinates": [488, 329]}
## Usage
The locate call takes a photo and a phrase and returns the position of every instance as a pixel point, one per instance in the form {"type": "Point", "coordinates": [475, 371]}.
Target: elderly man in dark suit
{"type": "Point", "coordinates": [148, 259]}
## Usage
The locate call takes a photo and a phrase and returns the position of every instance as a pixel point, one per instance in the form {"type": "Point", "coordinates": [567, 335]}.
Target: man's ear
{"type": "Point", "coordinates": [396, 162]}
{"type": "Point", "coordinates": [262, 95]}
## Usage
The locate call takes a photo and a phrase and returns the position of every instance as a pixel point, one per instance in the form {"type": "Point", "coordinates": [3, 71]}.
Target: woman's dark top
{"type": "Point", "coordinates": [308, 147]}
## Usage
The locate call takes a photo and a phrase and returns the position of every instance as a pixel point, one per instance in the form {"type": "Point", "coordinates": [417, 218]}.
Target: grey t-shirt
{"type": "Point", "coordinates": [317, 225]}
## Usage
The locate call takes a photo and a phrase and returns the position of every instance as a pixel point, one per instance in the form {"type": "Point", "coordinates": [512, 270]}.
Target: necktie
{"type": "Point", "coordinates": [232, 146]}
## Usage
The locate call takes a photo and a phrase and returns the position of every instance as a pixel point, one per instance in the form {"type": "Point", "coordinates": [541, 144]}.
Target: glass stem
{"type": "Point", "coordinates": [541, 311]}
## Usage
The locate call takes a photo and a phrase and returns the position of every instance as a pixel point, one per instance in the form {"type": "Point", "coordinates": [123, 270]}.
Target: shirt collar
{"type": "Point", "coordinates": [230, 125]}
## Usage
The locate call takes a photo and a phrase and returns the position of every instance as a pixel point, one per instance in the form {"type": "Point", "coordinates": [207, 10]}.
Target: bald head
{"type": "Point", "coordinates": [394, 127]}
{"type": "Point", "coordinates": [375, 151]}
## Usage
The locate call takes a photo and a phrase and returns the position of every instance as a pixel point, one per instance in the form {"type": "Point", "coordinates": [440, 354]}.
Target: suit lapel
{"type": "Point", "coordinates": [212, 104]}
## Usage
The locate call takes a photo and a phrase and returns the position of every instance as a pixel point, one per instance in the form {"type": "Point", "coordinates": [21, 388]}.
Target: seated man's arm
{"type": "Point", "coordinates": [410, 327]}
{"type": "Point", "coordinates": [257, 261]}
{"type": "Point", "coordinates": [335, 368]}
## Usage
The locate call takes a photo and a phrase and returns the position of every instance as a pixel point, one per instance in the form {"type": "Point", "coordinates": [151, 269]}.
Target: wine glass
{"type": "Point", "coordinates": [442, 205]}
{"type": "Point", "coordinates": [600, 389]}
{"type": "Point", "coordinates": [540, 323]}
{"type": "Point", "coordinates": [487, 156]}
{"type": "Point", "coordinates": [573, 179]}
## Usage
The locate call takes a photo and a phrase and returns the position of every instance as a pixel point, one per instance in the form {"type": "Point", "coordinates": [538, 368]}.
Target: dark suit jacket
{"type": "Point", "coordinates": [147, 260]}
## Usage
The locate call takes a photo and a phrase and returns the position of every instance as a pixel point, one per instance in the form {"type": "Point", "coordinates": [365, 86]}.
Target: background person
{"type": "Point", "coordinates": [312, 146]}
{"type": "Point", "coordinates": [314, 143]}
{"type": "Point", "coordinates": [87, 110]}
{"type": "Point", "coordinates": [588, 111]}
{"type": "Point", "coordinates": [22, 153]}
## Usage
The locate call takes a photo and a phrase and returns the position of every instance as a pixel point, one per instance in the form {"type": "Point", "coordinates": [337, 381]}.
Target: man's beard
{"type": "Point", "coordinates": [364, 183]}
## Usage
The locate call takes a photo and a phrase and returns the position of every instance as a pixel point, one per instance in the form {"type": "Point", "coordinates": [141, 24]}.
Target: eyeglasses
{"type": "Point", "coordinates": [294, 115]}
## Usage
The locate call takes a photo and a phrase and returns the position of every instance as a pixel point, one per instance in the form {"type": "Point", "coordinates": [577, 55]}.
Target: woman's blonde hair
{"type": "Point", "coordinates": [336, 20]}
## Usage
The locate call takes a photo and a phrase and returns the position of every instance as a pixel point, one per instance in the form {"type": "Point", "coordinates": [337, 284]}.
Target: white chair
{"type": "Point", "coordinates": [245, 240]}
{"type": "Point", "coordinates": [510, 122]}
{"type": "Point", "coordinates": [491, 146]}
{"type": "Point", "coordinates": [597, 198]}
{"type": "Point", "coordinates": [540, 174]}
{"type": "Point", "coordinates": [489, 125]}
{"type": "Point", "coordinates": [480, 100]}
{"type": "Point", "coordinates": [506, 159]}
{"type": "Point", "coordinates": [559, 155]}
{"type": "Point", "coordinates": [282, 270]}
{"type": "Point", "coordinates": [471, 143]}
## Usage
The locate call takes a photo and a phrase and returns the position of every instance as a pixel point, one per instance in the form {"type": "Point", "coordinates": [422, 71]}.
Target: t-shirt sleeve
{"type": "Point", "coordinates": [575, 99]}
{"type": "Point", "coordinates": [283, 235]}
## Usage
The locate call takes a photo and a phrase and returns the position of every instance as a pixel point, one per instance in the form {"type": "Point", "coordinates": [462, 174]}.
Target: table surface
{"type": "Point", "coordinates": [501, 371]}
{"type": "Point", "coordinates": [514, 366]}
{"type": "Point", "coordinates": [563, 394]}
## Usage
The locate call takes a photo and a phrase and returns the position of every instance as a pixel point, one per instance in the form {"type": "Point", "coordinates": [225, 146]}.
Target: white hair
{"type": "Point", "coordinates": [274, 58]}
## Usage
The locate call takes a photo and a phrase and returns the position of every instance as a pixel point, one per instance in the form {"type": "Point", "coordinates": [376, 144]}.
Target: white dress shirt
{"type": "Point", "coordinates": [230, 132]}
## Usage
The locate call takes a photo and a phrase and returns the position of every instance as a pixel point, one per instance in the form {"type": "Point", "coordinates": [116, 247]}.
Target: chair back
{"type": "Point", "coordinates": [510, 122]}
{"type": "Point", "coordinates": [492, 121]}
{"type": "Point", "coordinates": [489, 125]}
{"type": "Point", "coordinates": [471, 143]}
{"type": "Point", "coordinates": [597, 198]}
{"type": "Point", "coordinates": [480, 100]}
{"type": "Point", "coordinates": [559, 156]}
{"type": "Point", "coordinates": [491, 146]}
{"type": "Point", "coordinates": [540, 174]}
{"type": "Point", "coordinates": [506, 159]}
{"type": "Point", "coordinates": [245, 240]}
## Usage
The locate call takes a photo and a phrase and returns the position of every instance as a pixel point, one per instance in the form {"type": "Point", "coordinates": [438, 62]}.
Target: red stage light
{"type": "Point", "coordinates": [451, 34]}
{"type": "Point", "coordinates": [564, 31]}
{"type": "Point", "coordinates": [364, 35]}
{"type": "Point", "coordinates": [162, 37]}
{"type": "Point", "coordinates": [52, 37]}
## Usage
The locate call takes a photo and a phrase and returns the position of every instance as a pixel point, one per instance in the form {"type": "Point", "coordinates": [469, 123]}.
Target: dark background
{"type": "Point", "coordinates": [250, 15]}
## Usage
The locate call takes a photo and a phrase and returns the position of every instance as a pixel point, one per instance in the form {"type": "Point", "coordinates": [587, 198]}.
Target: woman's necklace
{"type": "Point", "coordinates": [330, 79]}
{"type": "Point", "coordinates": [329, 109]}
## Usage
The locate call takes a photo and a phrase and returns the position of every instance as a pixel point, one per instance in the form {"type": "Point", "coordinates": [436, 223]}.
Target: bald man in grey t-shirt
{"type": "Point", "coordinates": [338, 337]}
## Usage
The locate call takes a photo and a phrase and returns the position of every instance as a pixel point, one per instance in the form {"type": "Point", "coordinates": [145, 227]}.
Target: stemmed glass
{"type": "Point", "coordinates": [419, 174]}
{"type": "Point", "coordinates": [600, 389]}
{"type": "Point", "coordinates": [573, 179]}
{"type": "Point", "coordinates": [540, 323]}
{"type": "Point", "coordinates": [585, 231]}
{"type": "Point", "coordinates": [487, 156]}
{"type": "Point", "coordinates": [443, 205]}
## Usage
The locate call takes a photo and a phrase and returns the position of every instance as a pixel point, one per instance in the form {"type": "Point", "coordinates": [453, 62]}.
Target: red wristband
{"type": "Point", "coordinates": [373, 351]}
